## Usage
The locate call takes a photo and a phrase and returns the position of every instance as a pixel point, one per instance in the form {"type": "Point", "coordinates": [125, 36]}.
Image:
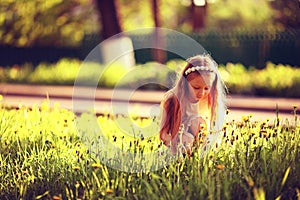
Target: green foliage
{"type": "Point", "coordinates": [221, 14]}
{"type": "Point", "coordinates": [281, 79]}
{"type": "Point", "coordinates": [133, 14]}
{"type": "Point", "coordinates": [112, 75]}
{"type": "Point", "coordinates": [57, 22]}
{"type": "Point", "coordinates": [62, 72]}
{"type": "Point", "coordinates": [31, 22]}
{"type": "Point", "coordinates": [287, 15]}
{"type": "Point", "coordinates": [243, 15]}
{"type": "Point", "coordinates": [237, 79]}
{"type": "Point", "coordinates": [42, 156]}
{"type": "Point", "coordinates": [273, 80]}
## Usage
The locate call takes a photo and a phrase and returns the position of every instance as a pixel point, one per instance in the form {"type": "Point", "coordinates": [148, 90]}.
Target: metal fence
{"type": "Point", "coordinates": [248, 48]}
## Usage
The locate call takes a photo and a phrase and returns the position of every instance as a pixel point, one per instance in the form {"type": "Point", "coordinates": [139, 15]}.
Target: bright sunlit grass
{"type": "Point", "coordinates": [43, 156]}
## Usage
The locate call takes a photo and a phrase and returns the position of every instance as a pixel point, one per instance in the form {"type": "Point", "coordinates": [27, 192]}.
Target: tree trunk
{"type": "Point", "coordinates": [115, 47]}
{"type": "Point", "coordinates": [109, 18]}
{"type": "Point", "coordinates": [199, 15]}
{"type": "Point", "coordinates": [158, 54]}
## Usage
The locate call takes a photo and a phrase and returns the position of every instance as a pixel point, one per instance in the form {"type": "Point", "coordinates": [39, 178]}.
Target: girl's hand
{"type": "Point", "coordinates": [188, 141]}
{"type": "Point", "coordinates": [195, 126]}
{"type": "Point", "coordinates": [166, 138]}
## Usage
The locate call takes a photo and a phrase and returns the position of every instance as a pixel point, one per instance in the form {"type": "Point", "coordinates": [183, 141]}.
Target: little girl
{"type": "Point", "coordinates": [197, 100]}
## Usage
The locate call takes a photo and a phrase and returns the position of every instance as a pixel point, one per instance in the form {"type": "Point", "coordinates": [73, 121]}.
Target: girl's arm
{"type": "Point", "coordinates": [195, 126]}
{"type": "Point", "coordinates": [164, 135]}
{"type": "Point", "coordinates": [170, 120]}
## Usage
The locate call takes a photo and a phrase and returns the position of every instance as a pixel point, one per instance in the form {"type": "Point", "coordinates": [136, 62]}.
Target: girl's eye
{"type": "Point", "coordinates": [206, 88]}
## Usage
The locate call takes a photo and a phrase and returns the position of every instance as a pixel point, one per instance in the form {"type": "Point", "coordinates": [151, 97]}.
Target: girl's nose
{"type": "Point", "coordinates": [200, 93]}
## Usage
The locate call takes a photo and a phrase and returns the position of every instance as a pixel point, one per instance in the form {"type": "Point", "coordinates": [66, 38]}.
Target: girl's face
{"type": "Point", "coordinates": [199, 86]}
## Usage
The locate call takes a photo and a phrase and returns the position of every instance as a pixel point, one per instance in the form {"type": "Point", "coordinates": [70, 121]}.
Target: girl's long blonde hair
{"type": "Point", "coordinates": [175, 99]}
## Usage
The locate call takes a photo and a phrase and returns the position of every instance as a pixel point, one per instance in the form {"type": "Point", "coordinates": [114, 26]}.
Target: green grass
{"type": "Point", "coordinates": [43, 156]}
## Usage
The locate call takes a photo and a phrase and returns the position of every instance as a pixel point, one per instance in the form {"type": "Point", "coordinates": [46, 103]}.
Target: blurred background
{"type": "Point", "coordinates": [42, 37]}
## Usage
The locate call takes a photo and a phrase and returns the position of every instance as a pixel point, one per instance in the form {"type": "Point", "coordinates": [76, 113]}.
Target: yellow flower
{"type": "Point", "coordinates": [76, 168]}
{"type": "Point", "coordinates": [202, 126]}
{"type": "Point", "coordinates": [109, 191]}
{"type": "Point", "coordinates": [295, 107]}
{"type": "Point", "coordinates": [220, 167]}
{"type": "Point", "coordinates": [96, 165]}
{"type": "Point", "coordinates": [25, 172]}
{"type": "Point", "coordinates": [227, 111]}
{"type": "Point", "coordinates": [249, 181]}
{"type": "Point", "coordinates": [245, 118]}
{"type": "Point", "coordinates": [56, 198]}
{"type": "Point", "coordinates": [1, 97]}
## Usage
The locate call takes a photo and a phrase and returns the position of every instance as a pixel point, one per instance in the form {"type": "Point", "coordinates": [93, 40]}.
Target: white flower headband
{"type": "Point", "coordinates": [198, 68]}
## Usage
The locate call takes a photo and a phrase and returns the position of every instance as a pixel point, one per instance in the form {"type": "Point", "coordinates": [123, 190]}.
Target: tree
{"type": "Point", "coordinates": [44, 23]}
{"type": "Point", "coordinates": [287, 13]}
{"type": "Point", "coordinates": [246, 14]}
{"type": "Point", "coordinates": [199, 11]}
{"type": "Point", "coordinates": [117, 46]}
{"type": "Point", "coordinates": [158, 54]}
{"type": "Point", "coordinates": [109, 18]}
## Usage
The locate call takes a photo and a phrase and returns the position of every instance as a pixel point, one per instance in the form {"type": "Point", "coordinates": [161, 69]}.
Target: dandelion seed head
{"type": "Point", "coordinates": [294, 106]}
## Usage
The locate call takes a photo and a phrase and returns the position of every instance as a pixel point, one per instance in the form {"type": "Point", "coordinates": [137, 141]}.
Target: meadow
{"type": "Point", "coordinates": [43, 155]}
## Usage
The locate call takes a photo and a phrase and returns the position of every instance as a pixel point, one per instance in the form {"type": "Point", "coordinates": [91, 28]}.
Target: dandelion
{"type": "Point", "coordinates": [239, 125]}
{"type": "Point", "coordinates": [254, 141]}
{"type": "Point", "coordinates": [202, 127]}
{"type": "Point", "coordinates": [227, 111]}
{"type": "Point", "coordinates": [115, 138]}
{"type": "Point", "coordinates": [224, 128]}
{"type": "Point", "coordinates": [109, 191]}
{"type": "Point", "coordinates": [220, 167]}
{"type": "Point", "coordinates": [96, 165]}
{"type": "Point", "coordinates": [56, 198]}
{"type": "Point", "coordinates": [1, 97]}
{"type": "Point", "coordinates": [25, 172]}
{"type": "Point", "coordinates": [77, 185]}
{"type": "Point", "coordinates": [76, 168]}
{"type": "Point", "coordinates": [249, 181]}
{"type": "Point", "coordinates": [245, 118]}
{"type": "Point", "coordinates": [56, 106]}
{"type": "Point", "coordinates": [294, 106]}
{"type": "Point", "coordinates": [45, 105]}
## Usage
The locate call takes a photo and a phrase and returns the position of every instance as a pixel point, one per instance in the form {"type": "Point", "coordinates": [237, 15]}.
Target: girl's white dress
{"type": "Point", "coordinates": [194, 111]}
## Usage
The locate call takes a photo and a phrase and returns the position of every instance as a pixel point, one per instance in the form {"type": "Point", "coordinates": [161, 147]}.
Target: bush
{"type": "Point", "coordinates": [273, 80]}
{"type": "Point", "coordinates": [237, 78]}
{"type": "Point", "coordinates": [278, 80]}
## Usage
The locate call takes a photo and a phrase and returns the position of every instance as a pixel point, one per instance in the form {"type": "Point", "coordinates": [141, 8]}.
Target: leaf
{"type": "Point", "coordinates": [259, 194]}
{"type": "Point", "coordinates": [42, 195]}
{"type": "Point", "coordinates": [286, 174]}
